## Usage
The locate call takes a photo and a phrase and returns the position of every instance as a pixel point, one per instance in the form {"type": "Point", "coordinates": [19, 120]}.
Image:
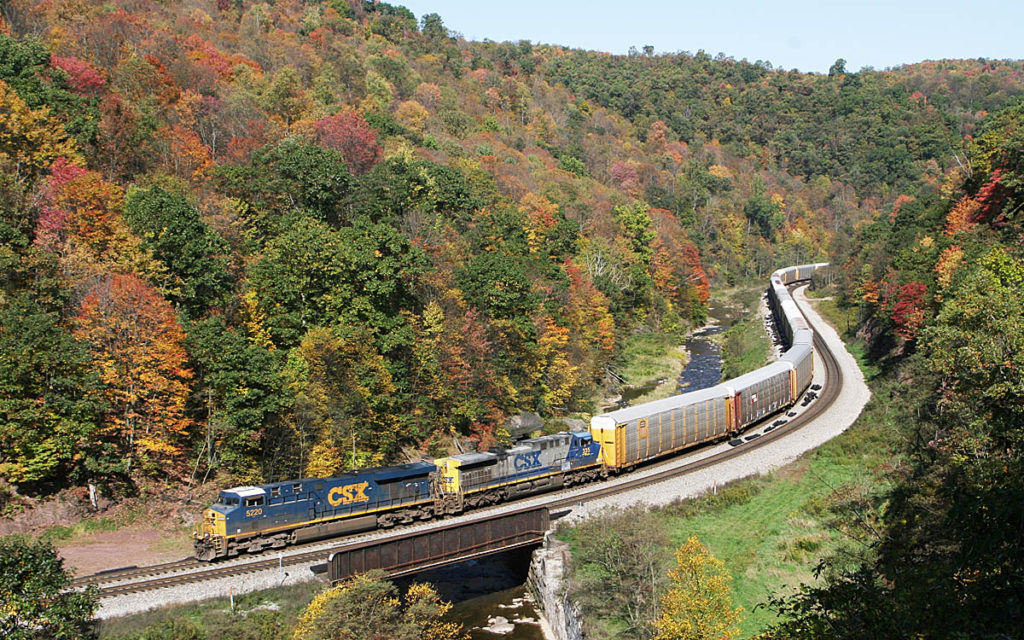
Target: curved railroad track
{"type": "Point", "coordinates": [829, 392]}
{"type": "Point", "coordinates": [131, 580]}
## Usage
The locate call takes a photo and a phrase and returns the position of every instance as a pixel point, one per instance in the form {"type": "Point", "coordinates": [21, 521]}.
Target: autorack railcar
{"type": "Point", "coordinates": [761, 392]}
{"type": "Point", "coordinates": [789, 275]}
{"type": "Point", "coordinates": [801, 356]}
{"type": "Point", "coordinates": [273, 515]}
{"type": "Point", "coordinates": [637, 434]}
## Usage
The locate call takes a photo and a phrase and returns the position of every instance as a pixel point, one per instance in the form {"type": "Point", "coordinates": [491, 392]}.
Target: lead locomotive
{"type": "Point", "coordinates": [275, 515]}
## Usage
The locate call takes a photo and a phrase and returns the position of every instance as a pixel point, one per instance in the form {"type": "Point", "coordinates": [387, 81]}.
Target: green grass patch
{"type": "Point", "coordinates": [771, 531]}
{"type": "Point", "coordinates": [88, 526]}
{"type": "Point", "coordinates": [843, 318]}
{"type": "Point", "coordinates": [651, 357]}
{"type": "Point", "coordinates": [270, 615]}
{"type": "Point", "coordinates": [746, 346]}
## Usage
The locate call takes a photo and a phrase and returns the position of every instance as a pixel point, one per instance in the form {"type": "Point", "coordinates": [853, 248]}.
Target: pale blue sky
{"type": "Point", "coordinates": [800, 34]}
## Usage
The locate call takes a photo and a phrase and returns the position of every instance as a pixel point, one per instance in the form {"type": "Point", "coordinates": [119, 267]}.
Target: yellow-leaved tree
{"type": "Point", "coordinates": [367, 607]}
{"type": "Point", "coordinates": [698, 606]}
{"type": "Point", "coordinates": [30, 140]}
{"type": "Point", "coordinates": [137, 346]}
{"type": "Point", "coordinates": [342, 402]}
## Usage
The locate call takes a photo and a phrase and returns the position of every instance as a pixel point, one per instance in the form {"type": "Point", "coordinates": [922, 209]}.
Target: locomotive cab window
{"type": "Point", "coordinates": [297, 487]}
{"type": "Point", "coordinates": [275, 492]}
{"type": "Point", "coordinates": [254, 502]}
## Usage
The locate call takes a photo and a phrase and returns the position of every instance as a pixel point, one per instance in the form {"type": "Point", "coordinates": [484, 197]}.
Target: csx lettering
{"type": "Point", "coordinates": [525, 461]}
{"type": "Point", "coordinates": [348, 494]}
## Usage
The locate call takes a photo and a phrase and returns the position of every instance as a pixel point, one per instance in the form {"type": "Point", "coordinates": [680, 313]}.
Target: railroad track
{"type": "Point", "coordinates": [129, 573]}
{"type": "Point", "coordinates": [829, 392]}
{"type": "Point", "coordinates": [154, 577]}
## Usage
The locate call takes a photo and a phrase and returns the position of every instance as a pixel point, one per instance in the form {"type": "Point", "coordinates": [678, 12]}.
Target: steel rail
{"type": "Point", "coordinates": [831, 388]}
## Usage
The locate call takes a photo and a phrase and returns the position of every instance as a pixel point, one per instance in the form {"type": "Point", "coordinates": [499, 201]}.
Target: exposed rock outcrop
{"type": "Point", "coordinates": [549, 582]}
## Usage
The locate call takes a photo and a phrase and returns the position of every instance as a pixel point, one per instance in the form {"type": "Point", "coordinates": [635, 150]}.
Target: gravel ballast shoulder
{"type": "Point", "coordinates": [832, 422]}
{"type": "Point", "coordinates": [843, 412]}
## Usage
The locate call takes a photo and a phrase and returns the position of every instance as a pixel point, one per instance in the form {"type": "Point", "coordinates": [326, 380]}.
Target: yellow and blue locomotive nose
{"type": "Point", "coordinates": [212, 524]}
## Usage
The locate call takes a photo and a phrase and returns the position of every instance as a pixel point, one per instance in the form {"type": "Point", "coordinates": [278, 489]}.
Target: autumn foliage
{"type": "Point", "coordinates": [908, 309]}
{"type": "Point", "coordinates": [368, 606]}
{"type": "Point", "coordinates": [80, 207]}
{"type": "Point", "coordinates": [84, 77]}
{"type": "Point", "coordinates": [348, 133]}
{"type": "Point", "coordinates": [30, 139]}
{"type": "Point", "coordinates": [381, 239]}
{"type": "Point", "coordinates": [698, 604]}
{"type": "Point", "coordinates": [138, 348]}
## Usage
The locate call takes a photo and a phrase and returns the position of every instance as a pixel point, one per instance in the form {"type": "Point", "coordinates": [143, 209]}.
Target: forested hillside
{"type": "Point", "coordinates": [939, 283]}
{"type": "Point", "coordinates": [250, 241]}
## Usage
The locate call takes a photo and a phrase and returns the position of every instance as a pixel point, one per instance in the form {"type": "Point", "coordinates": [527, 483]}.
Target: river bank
{"type": "Point", "coordinates": [695, 364]}
{"type": "Point", "coordinates": [770, 527]}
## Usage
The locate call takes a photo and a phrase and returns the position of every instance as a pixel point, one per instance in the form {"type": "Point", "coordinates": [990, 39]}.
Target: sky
{"type": "Point", "coordinates": [791, 34]}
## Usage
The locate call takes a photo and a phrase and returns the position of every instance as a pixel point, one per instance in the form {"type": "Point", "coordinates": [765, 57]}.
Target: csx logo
{"type": "Point", "coordinates": [525, 461]}
{"type": "Point", "coordinates": [348, 494]}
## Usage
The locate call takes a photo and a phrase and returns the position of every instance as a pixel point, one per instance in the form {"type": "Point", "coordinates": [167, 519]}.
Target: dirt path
{"type": "Point", "coordinates": [123, 548]}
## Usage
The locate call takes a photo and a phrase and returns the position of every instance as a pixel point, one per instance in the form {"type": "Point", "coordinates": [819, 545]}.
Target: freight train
{"type": "Point", "coordinates": [253, 518]}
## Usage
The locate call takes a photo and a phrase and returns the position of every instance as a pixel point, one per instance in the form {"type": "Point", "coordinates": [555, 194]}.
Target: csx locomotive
{"type": "Point", "coordinates": [274, 515]}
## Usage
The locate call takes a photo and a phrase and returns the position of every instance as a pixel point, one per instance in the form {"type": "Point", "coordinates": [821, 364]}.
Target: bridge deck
{"type": "Point", "coordinates": [414, 552]}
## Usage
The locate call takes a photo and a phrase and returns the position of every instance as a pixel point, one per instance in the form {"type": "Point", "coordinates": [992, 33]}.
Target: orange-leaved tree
{"type": "Point", "coordinates": [138, 348]}
{"type": "Point", "coordinates": [81, 222]}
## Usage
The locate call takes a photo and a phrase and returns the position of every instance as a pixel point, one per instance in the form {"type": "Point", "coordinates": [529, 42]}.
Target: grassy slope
{"type": "Point", "coordinates": [648, 357]}
{"type": "Point", "coordinates": [745, 346]}
{"type": "Point", "coordinates": [771, 530]}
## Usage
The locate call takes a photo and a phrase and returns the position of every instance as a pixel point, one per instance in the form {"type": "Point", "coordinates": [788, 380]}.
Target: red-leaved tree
{"type": "Point", "coordinates": [908, 312]}
{"type": "Point", "coordinates": [84, 77]}
{"type": "Point", "coordinates": [352, 136]}
{"type": "Point", "coordinates": [80, 205]}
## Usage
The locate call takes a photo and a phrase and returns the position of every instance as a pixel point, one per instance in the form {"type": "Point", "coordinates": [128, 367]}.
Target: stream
{"type": "Point", "coordinates": [482, 590]}
{"type": "Point", "coordinates": [705, 366]}
{"type": "Point", "coordinates": [491, 587]}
